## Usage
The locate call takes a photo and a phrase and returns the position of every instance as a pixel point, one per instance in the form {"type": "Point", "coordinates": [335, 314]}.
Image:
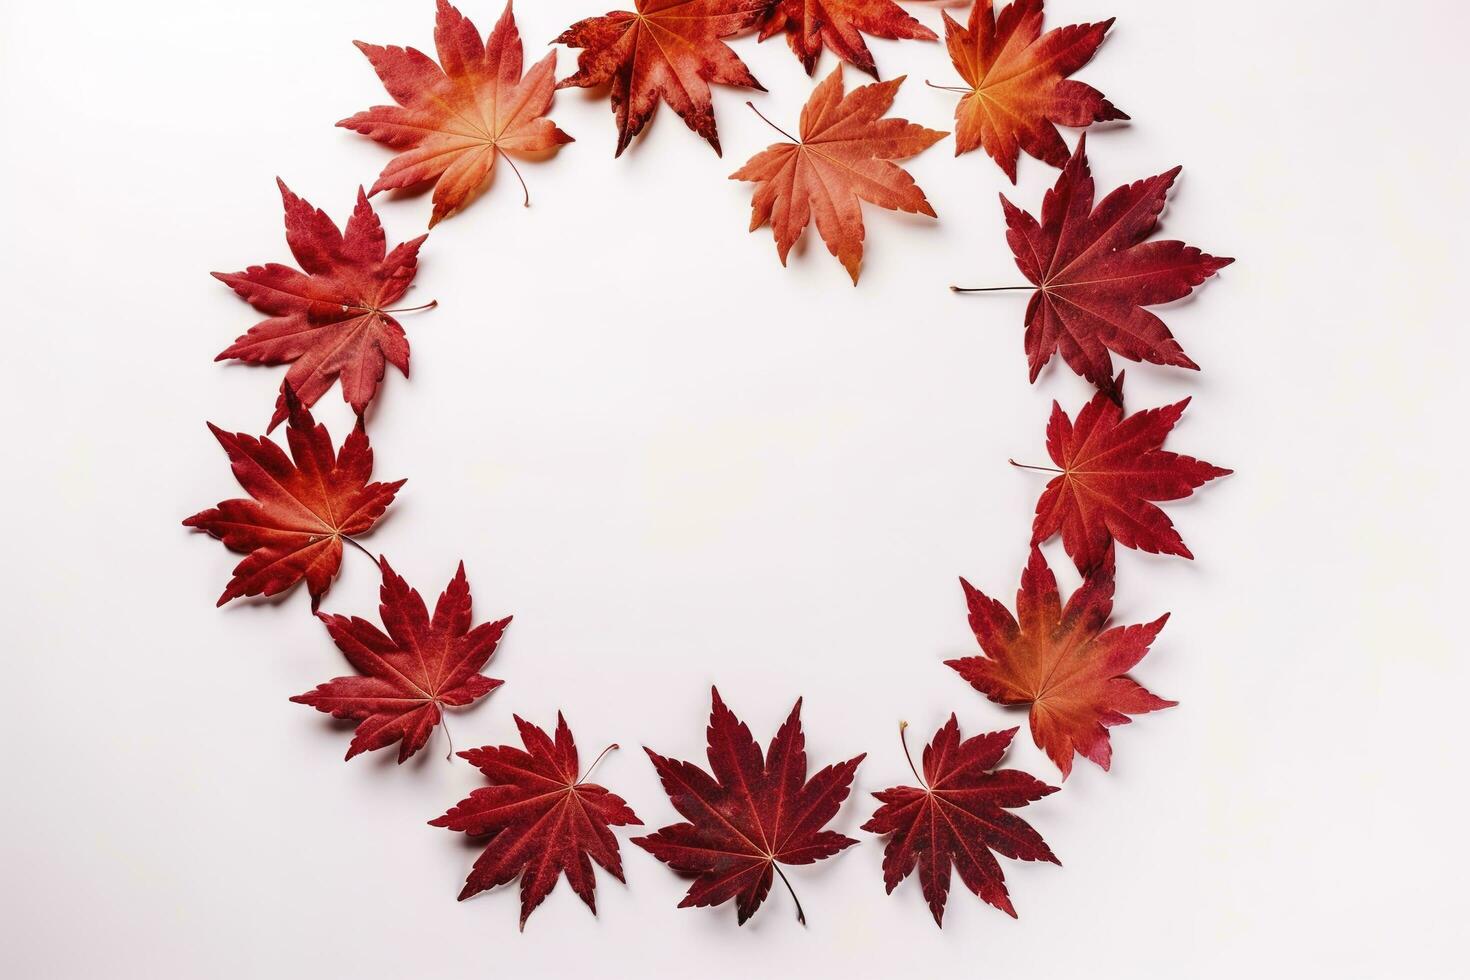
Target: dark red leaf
{"type": "Point", "coordinates": [958, 818]}
{"type": "Point", "coordinates": [1112, 468]}
{"type": "Point", "coordinates": [1095, 273]}
{"type": "Point", "coordinates": [752, 814]}
{"type": "Point", "coordinates": [542, 820]}
{"type": "Point", "coordinates": [407, 677]}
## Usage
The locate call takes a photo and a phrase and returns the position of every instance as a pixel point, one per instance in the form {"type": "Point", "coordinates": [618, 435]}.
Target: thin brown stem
{"type": "Point", "coordinates": [444, 723]}
{"type": "Point", "coordinates": [903, 737]}
{"type": "Point", "coordinates": [1027, 466]}
{"type": "Point", "coordinates": [986, 289]}
{"type": "Point", "coordinates": [517, 171]}
{"type": "Point", "coordinates": [594, 763]}
{"type": "Point", "coordinates": [405, 309]}
{"type": "Point", "coordinates": [783, 133]}
{"type": "Point", "coordinates": [949, 88]}
{"type": "Point", "coordinates": [376, 560]}
{"type": "Point", "coordinates": [800, 915]}
{"type": "Point", "coordinates": [413, 309]}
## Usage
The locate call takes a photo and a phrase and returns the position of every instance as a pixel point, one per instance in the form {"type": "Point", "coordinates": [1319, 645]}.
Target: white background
{"type": "Point", "coordinates": [677, 463]}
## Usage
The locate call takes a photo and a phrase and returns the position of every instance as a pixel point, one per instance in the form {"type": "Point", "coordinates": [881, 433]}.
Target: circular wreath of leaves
{"type": "Point", "coordinates": [306, 505]}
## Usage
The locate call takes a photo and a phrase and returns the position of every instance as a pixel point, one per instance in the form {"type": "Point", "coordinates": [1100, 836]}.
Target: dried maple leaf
{"type": "Point", "coordinates": [1112, 467]}
{"type": "Point", "coordinates": [1094, 274]}
{"type": "Point", "coordinates": [840, 26]}
{"type": "Point", "coordinates": [662, 49]}
{"type": "Point", "coordinates": [303, 506]}
{"type": "Point", "coordinates": [751, 814]}
{"type": "Point", "coordinates": [842, 159]}
{"type": "Point", "coordinates": [406, 677]}
{"type": "Point", "coordinates": [542, 819]}
{"type": "Point", "coordinates": [1019, 91]}
{"type": "Point", "coordinates": [454, 118]}
{"type": "Point", "coordinates": [331, 320]}
{"type": "Point", "coordinates": [957, 816]}
{"type": "Point", "coordinates": [1062, 662]}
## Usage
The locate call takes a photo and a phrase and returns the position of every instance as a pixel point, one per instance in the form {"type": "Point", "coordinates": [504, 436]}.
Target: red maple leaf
{"type": "Point", "coordinates": [957, 816]}
{"type": "Point", "coordinates": [663, 49]}
{"type": "Point", "coordinates": [1018, 87]}
{"type": "Point", "coordinates": [406, 678]}
{"type": "Point", "coordinates": [1112, 467]}
{"type": "Point", "coordinates": [303, 507]}
{"type": "Point", "coordinates": [1095, 273]}
{"type": "Point", "coordinates": [542, 819]}
{"type": "Point", "coordinates": [331, 320]}
{"type": "Point", "coordinates": [840, 26]}
{"type": "Point", "coordinates": [1065, 663]}
{"type": "Point", "coordinates": [751, 814]}
{"type": "Point", "coordinates": [455, 118]}
{"type": "Point", "coordinates": [845, 156]}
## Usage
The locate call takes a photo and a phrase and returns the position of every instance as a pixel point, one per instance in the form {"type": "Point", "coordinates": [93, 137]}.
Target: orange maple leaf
{"type": "Point", "coordinates": [843, 158]}
{"type": "Point", "coordinates": [453, 119]}
{"type": "Point", "coordinates": [1065, 663]}
{"type": "Point", "coordinates": [1019, 91]}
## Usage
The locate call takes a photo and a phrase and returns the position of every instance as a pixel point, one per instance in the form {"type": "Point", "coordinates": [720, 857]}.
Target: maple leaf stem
{"type": "Point", "coordinates": [414, 309]}
{"type": "Point", "coordinates": [903, 738]}
{"type": "Point", "coordinates": [794, 140]}
{"type": "Point", "coordinates": [444, 724]}
{"type": "Point", "coordinates": [517, 171]}
{"type": "Point", "coordinates": [800, 915]}
{"type": "Point", "coordinates": [1028, 466]}
{"type": "Point", "coordinates": [376, 560]}
{"type": "Point", "coordinates": [404, 309]}
{"type": "Point", "coordinates": [948, 88]}
{"type": "Point", "coordinates": [594, 763]}
{"type": "Point", "coordinates": [986, 289]}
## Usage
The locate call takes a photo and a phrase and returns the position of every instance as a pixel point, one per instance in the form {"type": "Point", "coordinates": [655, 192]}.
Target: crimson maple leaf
{"type": "Point", "coordinates": [1112, 468]}
{"type": "Point", "coordinates": [304, 505]}
{"type": "Point", "coordinates": [1065, 663]}
{"type": "Point", "coordinates": [663, 49]}
{"type": "Point", "coordinates": [840, 26]}
{"type": "Point", "coordinates": [957, 816]}
{"type": "Point", "coordinates": [543, 820]}
{"type": "Point", "coordinates": [1019, 91]}
{"type": "Point", "coordinates": [455, 118]}
{"type": "Point", "coordinates": [751, 814]}
{"type": "Point", "coordinates": [843, 158]}
{"type": "Point", "coordinates": [1095, 273]}
{"type": "Point", "coordinates": [331, 320]}
{"type": "Point", "coordinates": [406, 677]}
